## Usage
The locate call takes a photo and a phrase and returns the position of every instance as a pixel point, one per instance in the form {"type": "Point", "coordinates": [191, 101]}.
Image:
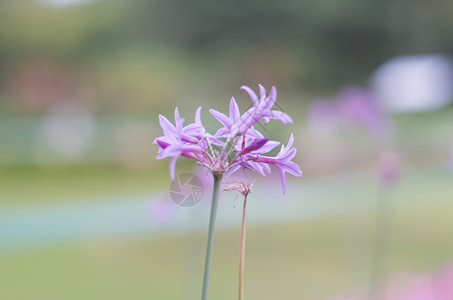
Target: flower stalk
{"type": "Point", "coordinates": [210, 242]}
{"type": "Point", "coordinates": [235, 146]}
{"type": "Point", "coordinates": [242, 251]}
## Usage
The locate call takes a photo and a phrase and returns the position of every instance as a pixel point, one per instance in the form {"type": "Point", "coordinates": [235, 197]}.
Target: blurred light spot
{"type": "Point", "coordinates": [70, 130]}
{"type": "Point", "coordinates": [414, 83]}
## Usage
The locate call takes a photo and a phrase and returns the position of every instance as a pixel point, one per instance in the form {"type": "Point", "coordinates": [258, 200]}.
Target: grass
{"type": "Point", "coordinates": [300, 260]}
{"type": "Point", "coordinates": [28, 185]}
{"type": "Point", "coordinates": [308, 259]}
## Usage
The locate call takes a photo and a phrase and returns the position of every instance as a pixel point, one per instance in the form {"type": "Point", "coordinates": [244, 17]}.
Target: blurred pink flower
{"type": "Point", "coordinates": [422, 287]}
{"type": "Point", "coordinates": [161, 210]}
{"type": "Point", "coordinates": [389, 166]}
{"type": "Point", "coordinates": [358, 106]}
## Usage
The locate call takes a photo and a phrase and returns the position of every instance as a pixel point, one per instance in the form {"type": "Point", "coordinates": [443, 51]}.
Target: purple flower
{"type": "Point", "coordinates": [353, 105]}
{"type": "Point", "coordinates": [253, 160]}
{"type": "Point", "coordinates": [234, 146]}
{"type": "Point", "coordinates": [262, 109]}
{"type": "Point", "coordinates": [178, 140]}
{"type": "Point", "coordinates": [358, 105]}
{"type": "Point", "coordinates": [246, 160]}
{"type": "Point", "coordinates": [227, 122]}
{"type": "Point", "coordinates": [282, 161]}
{"type": "Point", "coordinates": [232, 123]}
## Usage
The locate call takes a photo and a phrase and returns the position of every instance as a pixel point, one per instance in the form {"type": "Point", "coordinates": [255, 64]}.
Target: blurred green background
{"type": "Point", "coordinates": [83, 207]}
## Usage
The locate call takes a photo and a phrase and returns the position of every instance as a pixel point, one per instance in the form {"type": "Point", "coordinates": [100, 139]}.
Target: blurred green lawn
{"type": "Point", "coordinates": [301, 260]}
{"type": "Point", "coordinates": [307, 259]}
{"type": "Point", "coordinates": [27, 185]}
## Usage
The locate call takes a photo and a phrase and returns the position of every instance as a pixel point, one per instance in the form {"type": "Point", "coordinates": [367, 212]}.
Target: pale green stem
{"type": "Point", "coordinates": [210, 242]}
{"type": "Point", "coordinates": [383, 230]}
{"type": "Point", "coordinates": [210, 150]}
{"type": "Point", "coordinates": [242, 252]}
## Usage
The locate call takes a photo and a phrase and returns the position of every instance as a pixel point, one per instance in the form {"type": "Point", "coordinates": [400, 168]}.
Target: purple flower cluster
{"type": "Point", "coordinates": [353, 105]}
{"type": "Point", "coordinates": [236, 145]}
{"type": "Point", "coordinates": [434, 286]}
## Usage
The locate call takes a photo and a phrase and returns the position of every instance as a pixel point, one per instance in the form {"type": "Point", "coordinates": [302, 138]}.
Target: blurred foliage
{"type": "Point", "coordinates": [148, 52]}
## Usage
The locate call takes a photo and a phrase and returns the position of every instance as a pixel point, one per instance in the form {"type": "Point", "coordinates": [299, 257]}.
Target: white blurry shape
{"type": "Point", "coordinates": [414, 83]}
{"type": "Point", "coordinates": [62, 3]}
{"type": "Point", "coordinates": [69, 129]}
{"type": "Point", "coordinates": [134, 143]}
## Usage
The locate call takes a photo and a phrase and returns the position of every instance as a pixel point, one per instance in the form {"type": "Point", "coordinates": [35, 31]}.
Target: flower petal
{"type": "Point", "coordinates": [281, 116]}
{"type": "Point", "coordinates": [283, 178]}
{"type": "Point", "coordinates": [172, 167]}
{"type": "Point", "coordinates": [222, 118]}
{"type": "Point", "coordinates": [178, 121]}
{"type": "Point", "coordinates": [269, 146]}
{"type": "Point", "coordinates": [257, 144]}
{"type": "Point", "coordinates": [262, 93]}
{"type": "Point", "coordinates": [198, 116]}
{"type": "Point", "coordinates": [251, 94]}
{"type": "Point", "coordinates": [167, 127]}
{"type": "Point", "coordinates": [234, 110]}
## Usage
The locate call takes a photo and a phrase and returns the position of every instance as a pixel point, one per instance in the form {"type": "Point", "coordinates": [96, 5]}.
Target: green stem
{"type": "Point", "coordinates": [210, 243]}
{"type": "Point", "coordinates": [383, 230]}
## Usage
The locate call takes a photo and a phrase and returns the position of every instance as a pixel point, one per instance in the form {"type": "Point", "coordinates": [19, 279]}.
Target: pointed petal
{"type": "Point", "coordinates": [222, 133]}
{"type": "Point", "coordinates": [262, 93]}
{"type": "Point", "coordinates": [222, 118]}
{"type": "Point", "coordinates": [248, 119]}
{"type": "Point", "coordinates": [272, 98]}
{"type": "Point", "coordinates": [259, 167]}
{"type": "Point", "coordinates": [290, 141]}
{"type": "Point", "coordinates": [285, 149]}
{"type": "Point", "coordinates": [178, 121]}
{"type": "Point", "coordinates": [252, 132]}
{"type": "Point", "coordinates": [198, 116]}
{"type": "Point", "coordinates": [269, 146]}
{"type": "Point", "coordinates": [194, 130]}
{"type": "Point", "coordinates": [163, 144]}
{"type": "Point", "coordinates": [257, 144]}
{"type": "Point", "coordinates": [293, 168]}
{"type": "Point", "coordinates": [234, 110]}
{"type": "Point", "coordinates": [172, 167]}
{"type": "Point", "coordinates": [251, 94]}
{"type": "Point", "coordinates": [287, 155]}
{"type": "Point", "coordinates": [167, 127]}
{"type": "Point", "coordinates": [281, 116]}
{"type": "Point", "coordinates": [282, 176]}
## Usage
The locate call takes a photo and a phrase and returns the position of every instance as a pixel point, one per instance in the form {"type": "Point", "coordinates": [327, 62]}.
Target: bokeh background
{"type": "Point", "coordinates": [84, 208]}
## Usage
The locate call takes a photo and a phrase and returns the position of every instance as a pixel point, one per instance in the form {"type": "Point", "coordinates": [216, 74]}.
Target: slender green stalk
{"type": "Point", "coordinates": [242, 252]}
{"type": "Point", "coordinates": [210, 242]}
{"type": "Point", "coordinates": [383, 224]}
